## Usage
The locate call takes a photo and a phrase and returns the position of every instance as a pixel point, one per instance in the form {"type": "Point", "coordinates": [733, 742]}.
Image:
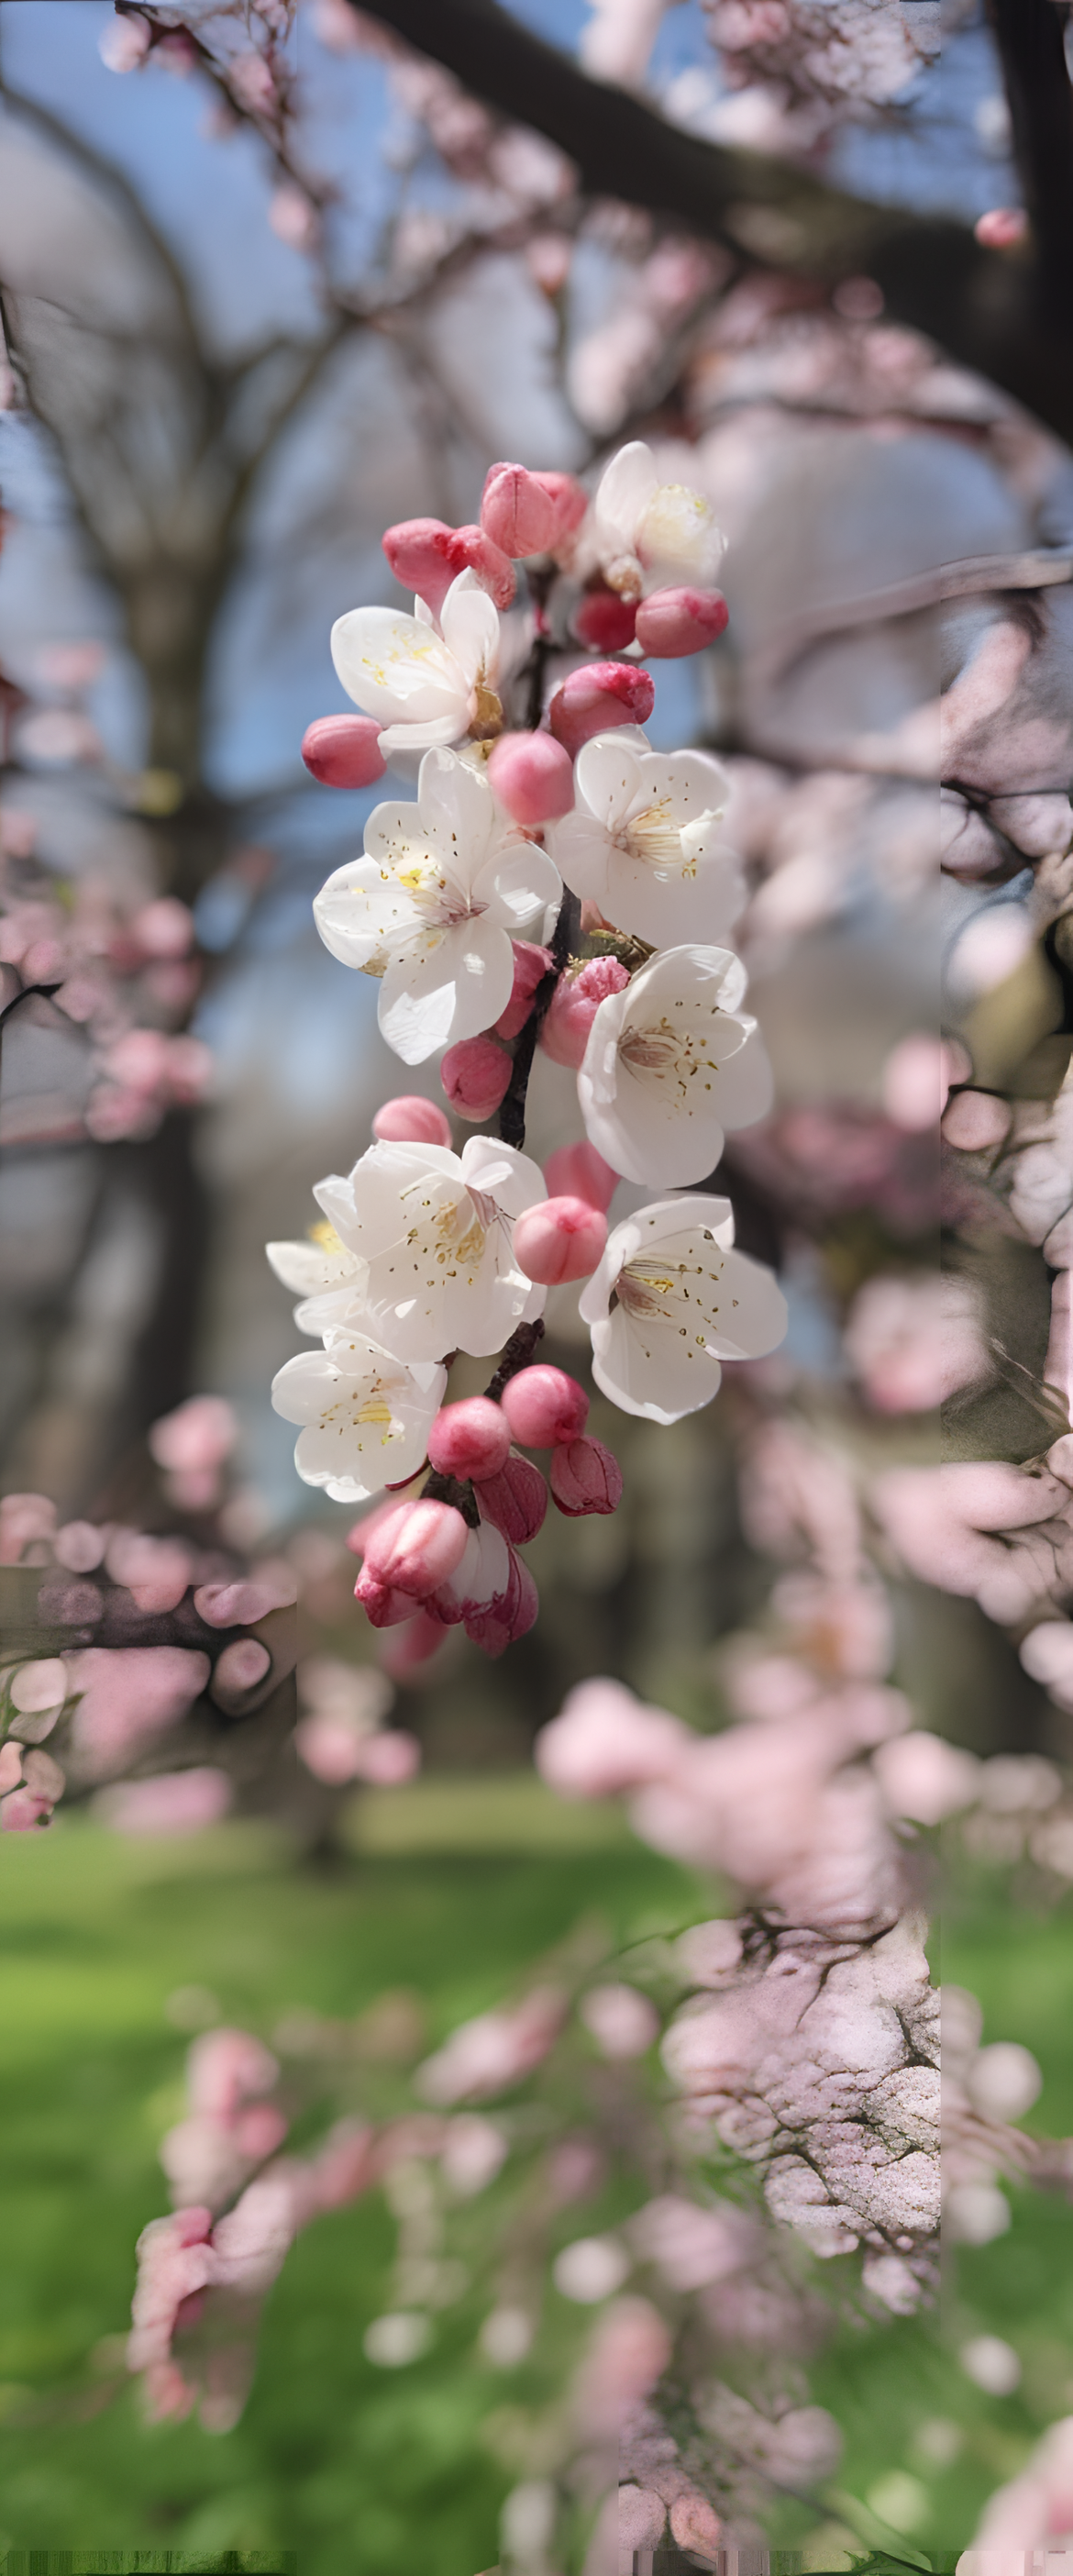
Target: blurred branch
{"type": "Point", "coordinates": [933, 273]}
{"type": "Point", "coordinates": [107, 175]}
{"type": "Point", "coordinates": [1030, 37]}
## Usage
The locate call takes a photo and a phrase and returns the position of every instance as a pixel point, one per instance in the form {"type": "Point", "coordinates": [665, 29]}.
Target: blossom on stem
{"type": "Point", "coordinates": [544, 1406]}
{"type": "Point", "coordinates": [343, 751]}
{"type": "Point", "coordinates": [675, 622]}
{"type": "Point", "coordinates": [365, 1415]}
{"type": "Point", "coordinates": [598, 696]}
{"type": "Point", "coordinates": [417, 1547]}
{"type": "Point", "coordinates": [516, 511]}
{"type": "Point", "coordinates": [670, 1301]}
{"type": "Point", "coordinates": [476, 1076]}
{"type": "Point", "coordinates": [567, 1025]}
{"type": "Point", "coordinates": [643, 842]}
{"type": "Point", "coordinates": [533, 776]}
{"type": "Point", "coordinates": [433, 1232]}
{"type": "Point", "coordinates": [562, 1239]}
{"type": "Point", "coordinates": [671, 1060]}
{"type": "Point", "coordinates": [649, 533]}
{"type": "Point", "coordinates": [470, 1439]}
{"type": "Point", "coordinates": [427, 556]}
{"type": "Point", "coordinates": [423, 687]}
{"type": "Point", "coordinates": [585, 1477]}
{"type": "Point", "coordinates": [431, 905]}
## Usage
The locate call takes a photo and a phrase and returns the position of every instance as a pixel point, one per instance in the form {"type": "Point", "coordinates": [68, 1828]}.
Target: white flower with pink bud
{"type": "Point", "coordinates": [424, 684]}
{"type": "Point", "coordinates": [433, 1234]}
{"type": "Point", "coordinates": [645, 843]}
{"type": "Point", "coordinates": [647, 533]}
{"type": "Point", "coordinates": [671, 1061]}
{"type": "Point", "coordinates": [431, 906]}
{"type": "Point", "coordinates": [671, 1301]}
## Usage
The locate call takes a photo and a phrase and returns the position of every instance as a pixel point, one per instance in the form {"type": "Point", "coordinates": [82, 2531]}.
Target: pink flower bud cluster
{"type": "Point", "coordinates": [434, 1566]}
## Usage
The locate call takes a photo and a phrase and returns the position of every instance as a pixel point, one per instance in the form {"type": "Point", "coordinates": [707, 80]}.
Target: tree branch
{"type": "Point", "coordinates": [933, 273]}
{"type": "Point", "coordinates": [1029, 34]}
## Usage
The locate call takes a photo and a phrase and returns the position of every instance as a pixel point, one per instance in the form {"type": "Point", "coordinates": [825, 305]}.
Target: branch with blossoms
{"type": "Point", "coordinates": [557, 887]}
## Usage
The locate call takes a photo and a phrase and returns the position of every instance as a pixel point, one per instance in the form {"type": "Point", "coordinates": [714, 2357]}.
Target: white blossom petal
{"type": "Point", "coordinates": [321, 1262]}
{"type": "Point", "coordinates": [644, 843]}
{"type": "Point", "coordinates": [399, 670]}
{"type": "Point", "coordinates": [457, 989]}
{"type": "Point", "coordinates": [657, 1085]}
{"type": "Point", "coordinates": [365, 1416]}
{"type": "Point", "coordinates": [435, 1230]}
{"type": "Point", "coordinates": [670, 1301]}
{"type": "Point", "coordinates": [624, 491]}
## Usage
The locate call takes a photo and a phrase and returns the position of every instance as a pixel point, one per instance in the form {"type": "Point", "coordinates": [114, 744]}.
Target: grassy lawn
{"type": "Point", "coordinates": [383, 2473]}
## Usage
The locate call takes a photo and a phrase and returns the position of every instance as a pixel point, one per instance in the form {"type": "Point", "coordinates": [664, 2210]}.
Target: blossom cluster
{"type": "Point", "coordinates": [560, 888]}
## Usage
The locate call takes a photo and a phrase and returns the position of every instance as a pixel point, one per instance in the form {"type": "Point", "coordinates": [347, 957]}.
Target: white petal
{"type": "Point", "coordinates": [501, 1173]}
{"type": "Point", "coordinates": [396, 668]}
{"type": "Point", "coordinates": [455, 991]}
{"type": "Point", "coordinates": [306, 1267]}
{"type": "Point", "coordinates": [625, 488]}
{"type": "Point", "coordinates": [583, 850]}
{"type": "Point", "coordinates": [365, 915]}
{"type": "Point", "coordinates": [652, 1083]}
{"type": "Point", "coordinates": [692, 782]}
{"type": "Point", "coordinates": [458, 809]}
{"type": "Point", "coordinates": [658, 1385]}
{"type": "Point", "coordinates": [470, 625]}
{"type": "Point", "coordinates": [412, 739]}
{"type": "Point", "coordinates": [698, 900]}
{"type": "Point", "coordinates": [607, 778]}
{"type": "Point", "coordinates": [515, 882]}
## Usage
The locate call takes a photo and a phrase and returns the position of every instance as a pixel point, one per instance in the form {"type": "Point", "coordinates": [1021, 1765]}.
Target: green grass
{"type": "Point", "coordinates": [451, 1891]}
{"type": "Point", "coordinates": [354, 2468]}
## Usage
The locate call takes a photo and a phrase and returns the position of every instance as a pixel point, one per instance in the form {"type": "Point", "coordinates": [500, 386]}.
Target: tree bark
{"type": "Point", "coordinates": [933, 273]}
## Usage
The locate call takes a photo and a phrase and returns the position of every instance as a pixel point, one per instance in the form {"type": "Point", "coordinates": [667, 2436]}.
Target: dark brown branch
{"type": "Point", "coordinates": [512, 1106]}
{"type": "Point", "coordinates": [933, 273]}
{"type": "Point", "coordinates": [1029, 34]}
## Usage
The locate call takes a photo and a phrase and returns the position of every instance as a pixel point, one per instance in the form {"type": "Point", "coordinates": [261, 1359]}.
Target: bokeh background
{"type": "Point", "coordinates": [240, 344]}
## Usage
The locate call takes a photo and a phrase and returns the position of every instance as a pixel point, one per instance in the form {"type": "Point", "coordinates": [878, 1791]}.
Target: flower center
{"type": "Point", "coordinates": [674, 1291]}
{"type": "Point", "coordinates": [655, 838]}
{"type": "Point", "coordinates": [661, 1053]}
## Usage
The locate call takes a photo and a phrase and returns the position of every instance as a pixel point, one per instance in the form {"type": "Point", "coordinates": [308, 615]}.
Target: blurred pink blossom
{"type": "Point", "coordinates": [127, 1695]}
{"type": "Point", "coordinates": [913, 1340]}
{"type": "Point", "coordinates": [172, 1802]}
{"type": "Point", "coordinates": [493, 2052]}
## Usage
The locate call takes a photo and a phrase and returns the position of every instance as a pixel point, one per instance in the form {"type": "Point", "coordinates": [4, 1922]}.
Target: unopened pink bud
{"type": "Point", "coordinates": [416, 552]}
{"type": "Point", "coordinates": [416, 1547]}
{"type": "Point", "coordinates": [585, 1477]}
{"type": "Point", "coordinates": [544, 1406]}
{"type": "Point", "coordinates": [360, 1537]}
{"type": "Point", "coordinates": [530, 967]}
{"type": "Point", "coordinates": [673, 622]}
{"type": "Point", "coordinates": [516, 512]}
{"type": "Point", "coordinates": [559, 1239]}
{"type": "Point", "coordinates": [343, 751]}
{"type": "Point", "coordinates": [579, 1172]}
{"type": "Point", "coordinates": [1002, 228]}
{"type": "Point", "coordinates": [409, 1120]}
{"type": "Point", "coordinates": [605, 621]}
{"type": "Point", "coordinates": [597, 696]}
{"type": "Point", "coordinates": [533, 776]}
{"type": "Point", "coordinates": [564, 1033]}
{"type": "Point", "coordinates": [475, 1074]}
{"type": "Point", "coordinates": [472, 550]}
{"type": "Point", "coordinates": [384, 1605]}
{"type": "Point", "coordinates": [570, 501]}
{"type": "Point", "coordinates": [515, 1501]}
{"type": "Point", "coordinates": [470, 1439]}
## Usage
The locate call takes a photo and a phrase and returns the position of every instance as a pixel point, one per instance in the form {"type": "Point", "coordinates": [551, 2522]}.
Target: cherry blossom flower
{"type": "Point", "coordinates": [648, 533]}
{"type": "Point", "coordinates": [434, 1232]}
{"type": "Point", "coordinates": [320, 1266]}
{"type": "Point", "coordinates": [669, 1063]}
{"type": "Point", "coordinates": [431, 908]}
{"type": "Point", "coordinates": [643, 841]}
{"type": "Point", "coordinates": [670, 1301]}
{"type": "Point", "coordinates": [365, 1415]}
{"type": "Point", "coordinates": [423, 686]}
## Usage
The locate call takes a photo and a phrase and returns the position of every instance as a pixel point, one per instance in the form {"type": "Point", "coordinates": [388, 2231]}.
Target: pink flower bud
{"type": "Point", "coordinates": [570, 501]}
{"type": "Point", "coordinates": [384, 1605]}
{"type": "Point", "coordinates": [475, 1075]}
{"type": "Point", "coordinates": [409, 1120]}
{"type": "Point", "coordinates": [530, 967]}
{"type": "Point", "coordinates": [469, 1439]}
{"type": "Point", "coordinates": [559, 1239]}
{"type": "Point", "coordinates": [564, 1033]}
{"type": "Point", "coordinates": [411, 1644]}
{"type": "Point", "coordinates": [24, 1811]}
{"type": "Point", "coordinates": [415, 549]}
{"type": "Point", "coordinates": [515, 1501]}
{"type": "Point", "coordinates": [673, 622]}
{"type": "Point", "coordinates": [585, 1477]}
{"type": "Point", "coordinates": [543, 1407]}
{"type": "Point", "coordinates": [579, 1172]}
{"type": "Point", "coordinates": [343, 751]}
{"type": "Point", "coordinates": [416, 1547]}
{"type": "Point", "coordinates": [359, 1537]}
{"type": "Point", "coordinates": [472, 550]}
{"type": "Point", "coordinates": [516, 512]}
{"type": "Point", "coordinates": [596, 697]}
{"type": "Point", "coordinates": [1002, 228]}
{"type": "Point", "coordinates": [533, 776]}
{"type": "Point", "coordinates": [605, 621]}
